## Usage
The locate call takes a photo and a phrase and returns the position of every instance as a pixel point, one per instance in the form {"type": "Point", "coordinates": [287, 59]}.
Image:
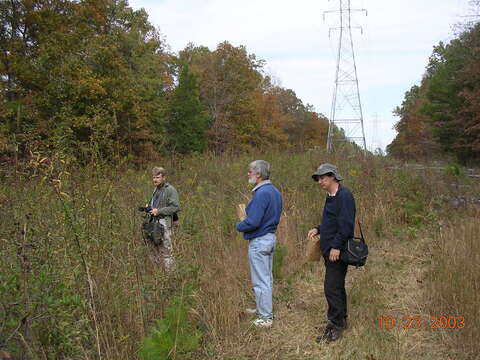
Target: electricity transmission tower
{"type": "Point", "coordinates": [346, 110]}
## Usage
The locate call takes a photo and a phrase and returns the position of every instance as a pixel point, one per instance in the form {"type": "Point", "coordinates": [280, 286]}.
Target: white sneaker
{"type": "Point", "coordinates": [251, 310]}
{"type": "Point", "coordinates": [263, 322]}
{"type": "Point", "coordinates": [169, 264]}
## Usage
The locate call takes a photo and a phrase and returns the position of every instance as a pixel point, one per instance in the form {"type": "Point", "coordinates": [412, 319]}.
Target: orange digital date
{"type": "Point", "coordinates": [415, 322]}
{"type": "Point", "coordinates": [447, 322]}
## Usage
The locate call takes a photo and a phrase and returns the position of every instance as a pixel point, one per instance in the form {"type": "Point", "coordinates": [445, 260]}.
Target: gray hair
{"type": "Point", "coordinates": [261, 167]}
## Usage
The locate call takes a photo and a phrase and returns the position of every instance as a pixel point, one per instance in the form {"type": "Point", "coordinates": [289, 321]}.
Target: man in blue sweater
{"type": "Point", "coordinates": [262, 218]}
{"type": "Point", "coordinates": [337, 226]}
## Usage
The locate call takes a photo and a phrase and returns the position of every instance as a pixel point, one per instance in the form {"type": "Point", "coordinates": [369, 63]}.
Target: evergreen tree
{"type": "Point", "coordinates": [187, 123]}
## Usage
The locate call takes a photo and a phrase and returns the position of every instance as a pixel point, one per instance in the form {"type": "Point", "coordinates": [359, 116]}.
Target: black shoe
{"type": "Point", "coordinates": [334, 334]}
{"type": "Point", "coordinates": [326, 334]}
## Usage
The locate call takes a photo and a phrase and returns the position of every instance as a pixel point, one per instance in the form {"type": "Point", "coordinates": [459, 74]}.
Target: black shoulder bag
{"type": "Point", "coordinates": [356, 251]}
{"type": "Point", "coordinates": [153, 230]}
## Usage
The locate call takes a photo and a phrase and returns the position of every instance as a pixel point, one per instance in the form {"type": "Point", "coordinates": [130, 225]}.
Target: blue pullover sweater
{"type": "Point", "coordinates": [338, 221]}
{"type": "Point", "coordinates": [263, 212]}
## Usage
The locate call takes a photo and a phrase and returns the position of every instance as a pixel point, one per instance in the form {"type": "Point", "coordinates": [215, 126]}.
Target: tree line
{"type": "Point", "coordinates": [441, 116]}
{"type": "Point", "coordinates": [94, 78]}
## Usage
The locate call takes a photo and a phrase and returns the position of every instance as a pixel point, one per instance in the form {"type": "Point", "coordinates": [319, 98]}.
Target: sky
{"type": "Point", "coordinates": [391, 50]}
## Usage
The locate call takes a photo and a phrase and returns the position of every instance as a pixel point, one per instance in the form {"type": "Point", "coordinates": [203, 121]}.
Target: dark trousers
{"type": "Point", "coordinates": [334, 287]}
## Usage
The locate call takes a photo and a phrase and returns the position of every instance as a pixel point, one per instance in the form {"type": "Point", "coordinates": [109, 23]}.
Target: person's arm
{"type": "Point", "coordinates": [173, 203]}
{"type": "Point", "coordinates": [256, 211]}
{"type": "Point", "coordinates": [345, 221]}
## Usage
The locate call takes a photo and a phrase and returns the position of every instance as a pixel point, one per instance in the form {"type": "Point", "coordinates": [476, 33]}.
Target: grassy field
{"type": "Point", "coordinates": [77, 282]}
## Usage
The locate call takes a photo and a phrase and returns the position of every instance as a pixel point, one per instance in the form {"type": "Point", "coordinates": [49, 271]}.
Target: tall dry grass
{"type": "Point", "coordinates": [454, 284]}
{"type": "Point", "coordinates": [77, 281]}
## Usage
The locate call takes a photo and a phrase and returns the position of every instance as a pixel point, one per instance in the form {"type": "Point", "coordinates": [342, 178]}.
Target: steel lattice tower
{"type": "Point", "coordinates": [346, 110]}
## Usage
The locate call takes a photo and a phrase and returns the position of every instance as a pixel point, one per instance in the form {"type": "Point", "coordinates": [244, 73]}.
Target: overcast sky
{"type": "Point", "coordinates": [292, 37]}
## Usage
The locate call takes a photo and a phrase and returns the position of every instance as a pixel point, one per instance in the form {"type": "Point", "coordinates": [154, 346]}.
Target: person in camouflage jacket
{"type": "Point", "coordinates": [165, 204]}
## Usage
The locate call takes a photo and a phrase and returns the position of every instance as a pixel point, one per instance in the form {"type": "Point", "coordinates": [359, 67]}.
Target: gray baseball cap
{"type": "Point", "coordinates": [325, 169]}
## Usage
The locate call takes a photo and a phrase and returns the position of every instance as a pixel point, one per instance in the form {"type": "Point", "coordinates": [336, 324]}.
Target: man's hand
{"type": "Point", "coordinates": [334, 255]}
{"type": "Point", "coordinates": [313, 232]}
{"type": "Point", "coordinates": [154, 212]}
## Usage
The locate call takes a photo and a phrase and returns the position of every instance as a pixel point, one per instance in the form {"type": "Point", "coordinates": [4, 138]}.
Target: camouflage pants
{"type": "Point", "coordinates": [163, 253]}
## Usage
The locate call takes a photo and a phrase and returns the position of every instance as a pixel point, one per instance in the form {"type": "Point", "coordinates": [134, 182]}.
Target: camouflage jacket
{"type": "Point", "coordinates": [165, 199]}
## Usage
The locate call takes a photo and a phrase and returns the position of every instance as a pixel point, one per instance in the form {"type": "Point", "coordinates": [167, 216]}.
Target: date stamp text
{"type": "Point", "coordinates": [417, 322]}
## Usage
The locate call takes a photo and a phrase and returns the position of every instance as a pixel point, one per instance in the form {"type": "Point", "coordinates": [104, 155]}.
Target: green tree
{"type": "Point", "coordinates": [453, 84]}
{"type": "Point", "coordinates": [245, 108]}
{"type": "Point", "coordinates": [230, 84]}
{"type": "Point", "coordinates": [187, 122]}
{"type": "Point", "coordinates": [441, 115]}
{"type": "Point", "coordinates": [86, 78]}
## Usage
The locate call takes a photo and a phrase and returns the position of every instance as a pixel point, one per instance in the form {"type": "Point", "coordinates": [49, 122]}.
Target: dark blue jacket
{"type": "Point", "coordinates": [263, 212]}
{"type": "Point", "coordinates": [338, 221]}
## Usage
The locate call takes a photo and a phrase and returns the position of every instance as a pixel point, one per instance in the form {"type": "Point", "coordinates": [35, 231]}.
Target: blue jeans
{"type": "Point", "coordinates": [260, 257]}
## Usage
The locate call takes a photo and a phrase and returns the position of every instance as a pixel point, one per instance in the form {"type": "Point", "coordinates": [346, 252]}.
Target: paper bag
{"type": "Point", "coordinates": [313, 252]}
{"type": "Point", "coordinates": [241, 213]}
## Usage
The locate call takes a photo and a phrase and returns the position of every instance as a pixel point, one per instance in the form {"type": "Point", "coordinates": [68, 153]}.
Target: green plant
{"type": "Point", "coordinates": [175, 335]}
{"type": "Point", "coordinates": [379, 226]}
{"type": "Point", "coordinates": [278, 259]}
{"type": "Point", "coordinates": [413, 212]}
{"type": "Point", "coordinates": [454, 170]}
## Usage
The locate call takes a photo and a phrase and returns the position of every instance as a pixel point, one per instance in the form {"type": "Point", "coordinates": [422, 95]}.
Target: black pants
{"type": "Point", "coordinates": [334, 287]}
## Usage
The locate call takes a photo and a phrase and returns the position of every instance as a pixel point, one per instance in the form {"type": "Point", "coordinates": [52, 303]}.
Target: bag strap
{"type": "Point", "coordinates": [361, 232]}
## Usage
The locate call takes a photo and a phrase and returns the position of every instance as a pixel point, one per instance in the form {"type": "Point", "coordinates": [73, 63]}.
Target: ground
{"type": "Point", "coordinates": [390, 285]}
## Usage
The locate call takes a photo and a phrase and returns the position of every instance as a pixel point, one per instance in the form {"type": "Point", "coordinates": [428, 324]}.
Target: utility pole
{"type": "Point", "coordinates": [346, 109]}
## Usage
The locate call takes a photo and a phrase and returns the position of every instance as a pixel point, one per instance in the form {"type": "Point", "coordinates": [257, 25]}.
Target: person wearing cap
{"type": "Point", "coordinates": [259, 227]}
{"type": "Point", "coordinates": [337, 226]}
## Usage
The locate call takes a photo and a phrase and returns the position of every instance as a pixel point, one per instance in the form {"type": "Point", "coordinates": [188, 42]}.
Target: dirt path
{"type": "Point", "coordinates": [389, 287]}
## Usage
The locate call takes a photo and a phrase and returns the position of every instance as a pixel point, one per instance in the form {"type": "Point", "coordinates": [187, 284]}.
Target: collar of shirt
{"type": "Point", "coordinates": [264, 182]}
{"type": "Point", "coordinates": [165, 184]}
{"type": "Point", "coordinates": [332, 195]}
